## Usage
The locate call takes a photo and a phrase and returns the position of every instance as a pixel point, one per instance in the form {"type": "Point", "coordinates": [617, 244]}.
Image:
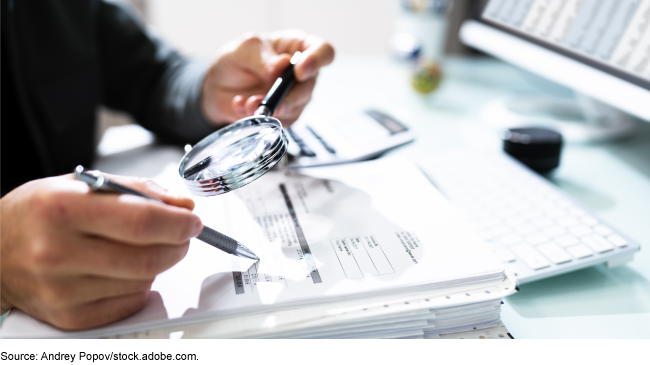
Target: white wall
{"type": "Point", "coordinates": [200, 27]}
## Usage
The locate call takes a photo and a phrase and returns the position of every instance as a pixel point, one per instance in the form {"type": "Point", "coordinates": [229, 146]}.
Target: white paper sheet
{"type": "Point", "coordinates": [321, 234]}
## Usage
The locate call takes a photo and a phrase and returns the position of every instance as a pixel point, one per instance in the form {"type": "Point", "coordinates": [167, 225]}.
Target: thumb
{"type": "Point", "coordinates": [258, 57]}
{"type": "Point", "coordinates": [276, 65]}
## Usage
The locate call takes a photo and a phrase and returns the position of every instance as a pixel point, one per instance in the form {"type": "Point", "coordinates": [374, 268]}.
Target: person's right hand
{"type": "Point", "coordinates": [78, 259]}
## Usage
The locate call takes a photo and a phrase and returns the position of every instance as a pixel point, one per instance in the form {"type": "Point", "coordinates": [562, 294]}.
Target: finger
{"type": "Point", "coordinates": [99, 312]}
{"type": "Point", "coordinates": [289, 41]}
{"type": "Point", "coordinates": [276, 67]}
{"type": "Point", "coordinates": [317, 54]}
{"type": "Point", "coordinates": [151, 188]}
{"type": "Point", "coordinates": [67, 291]}
{"type": "Point", "coordinates": [239, 107]}
{"type": "Point", "coordinates": [148, 187]}
{"type": "Point", "coordinates": [94, 256]}
{"type": "Point", "coordinates": [252, 103]}
{"type": "Point", "coordinates": [129, 218]}
{"type": "Point", "coordinates": [257, 56]}
{"type": "Point", "coordinates": [292, 104]}
{"type": "Point", "coordinates": [295, 102]}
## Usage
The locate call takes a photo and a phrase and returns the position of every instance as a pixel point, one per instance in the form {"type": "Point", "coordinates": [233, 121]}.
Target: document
{"type": "Point", "coordinates": [322, 234]}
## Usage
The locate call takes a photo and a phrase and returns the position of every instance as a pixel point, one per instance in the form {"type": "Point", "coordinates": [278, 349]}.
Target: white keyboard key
{"type": "Point", "coordinates": [490, 221]}
{"type": "Point", "coordinates": [568, 221]}
{"type": "Point", "coordinates": [515, 221]}
{"type": "Point", "coordinates": [542, 222]}
{"type": "Point", "coordinates": [525, 228]}
{"type": "Point", "coordinates": [602, 230]}
{"type": "Point", "coordinates": [554, 231]}
{"type": "Point", "coordinates": [579, 251]}
{"type": "Point", "coordinates": [576, 212]}
{"type": "Point", "coordinates": [493, 245]}
{"type": "Point", "coordinates": [536, 238]}
{"type": "Point", "coordinates": [588, 220]}
{"type": "Point", "coordinates": [500, 230]}
{"type": "Point", "coordinates": [554, 253]}
{"type": "Point", "coordinates": [546, 205]}
{"type": "Point", "coordinates": [510, 239]}
{"type": "Point", "coordinates": [566, 240]}
{"type": "Point", "coordinates": [530, 256]}
{"type": "Point", "coordinates": [505, 255]}
{"type": "Point", "coordinates": [484, 234]}
{"type": "Point", "coordinates": [580, 230]}
{"type": "Point", "coordinates": [555, 213]}
{"type": "Point", "coordinates": [597, 243]}
{"type": "Point", "coordinates": [532, 213]}
{"type": "Point", "coordinates": [475, 226]}
{"type": "Point", "coordinates": [617, 240]}
{"type": "Point", "coordinates": [503, 213]}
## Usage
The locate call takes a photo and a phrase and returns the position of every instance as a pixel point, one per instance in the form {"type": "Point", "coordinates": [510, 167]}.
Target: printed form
{"type": "Point", "coordinates": [321, 234]}
{"type": "Point", "coordinates": [325, 233]}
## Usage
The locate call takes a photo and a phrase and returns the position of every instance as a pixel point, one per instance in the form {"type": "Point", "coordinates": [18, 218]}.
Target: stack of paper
{"type": "Point", "coordinates": [369, 250]}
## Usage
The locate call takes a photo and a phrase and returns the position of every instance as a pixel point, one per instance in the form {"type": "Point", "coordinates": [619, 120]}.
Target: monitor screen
{"type": "Point", "coordinates": [610, 35]}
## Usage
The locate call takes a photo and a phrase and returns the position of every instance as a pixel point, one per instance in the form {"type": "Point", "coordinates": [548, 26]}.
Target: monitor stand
{"type": "Point", "coordinates": [582, 119]}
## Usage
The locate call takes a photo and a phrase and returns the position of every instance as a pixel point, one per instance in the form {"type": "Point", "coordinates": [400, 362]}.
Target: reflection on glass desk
{"type": "Point", "coordinates": [610, 179]}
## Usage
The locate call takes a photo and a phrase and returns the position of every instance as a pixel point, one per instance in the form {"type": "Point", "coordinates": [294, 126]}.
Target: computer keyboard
{"type": "Point", "coordinates": [532, 227]}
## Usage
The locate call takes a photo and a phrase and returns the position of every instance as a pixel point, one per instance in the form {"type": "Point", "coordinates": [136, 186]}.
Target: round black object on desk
{"type": "Point", "coordinates": [537, 148]}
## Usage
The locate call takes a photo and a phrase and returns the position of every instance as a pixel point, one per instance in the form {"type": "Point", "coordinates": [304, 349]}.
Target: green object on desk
{"type": "Point", "coordinates": [427, 77]}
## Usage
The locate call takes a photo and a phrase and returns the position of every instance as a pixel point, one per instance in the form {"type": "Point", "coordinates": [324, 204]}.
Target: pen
{"type": "Point", "coordinates": [208, 235]}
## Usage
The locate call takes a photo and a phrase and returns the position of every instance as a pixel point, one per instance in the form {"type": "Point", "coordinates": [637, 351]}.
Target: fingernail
{"type": "Point", "coordinates": [310, 70]}
{"type": "Point", "coordinates": [197, 229]}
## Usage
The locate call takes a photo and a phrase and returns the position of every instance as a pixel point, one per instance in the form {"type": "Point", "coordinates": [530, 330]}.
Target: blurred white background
{"type": "Point", "coordinates": [200, 27]}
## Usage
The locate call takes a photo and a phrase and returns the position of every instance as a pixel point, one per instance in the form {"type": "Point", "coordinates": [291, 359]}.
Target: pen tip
{"type": "Point", "coordinates": [244, 251]}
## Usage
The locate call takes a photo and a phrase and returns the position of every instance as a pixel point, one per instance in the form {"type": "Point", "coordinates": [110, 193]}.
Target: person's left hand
{"type": "Point", "coordinates": [246, 69]}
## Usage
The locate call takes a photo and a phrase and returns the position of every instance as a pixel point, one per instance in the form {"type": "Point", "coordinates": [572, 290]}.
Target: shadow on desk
{"type": "Point", "coordinates": [634, 151]}
{"type": "Point", "coordinates": [592, 291]}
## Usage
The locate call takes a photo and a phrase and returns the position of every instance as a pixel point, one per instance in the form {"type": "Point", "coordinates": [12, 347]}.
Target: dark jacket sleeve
{"type": "Point", "coordinates": [144, 77]}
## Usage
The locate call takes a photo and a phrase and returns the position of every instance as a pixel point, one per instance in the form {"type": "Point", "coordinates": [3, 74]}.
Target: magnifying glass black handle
{"type": "Point", "coordinates": [279, 89]}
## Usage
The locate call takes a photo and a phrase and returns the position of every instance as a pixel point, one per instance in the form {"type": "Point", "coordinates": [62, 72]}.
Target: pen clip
{"type": "Point", "coordinates": [95, 182]}
{"type": "Point", "coordinates": [100, 183]}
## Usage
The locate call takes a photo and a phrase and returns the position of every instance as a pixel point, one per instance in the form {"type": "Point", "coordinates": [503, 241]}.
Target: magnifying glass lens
{"type": "Point", "coordinates": [242, 152]}
{"type": "Point", "coordinates": [233, 156]}
{"type": "Point", "coordinates": [230, 155]}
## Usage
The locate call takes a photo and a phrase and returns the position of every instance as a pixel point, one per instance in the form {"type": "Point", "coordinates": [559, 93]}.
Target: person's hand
{"type": "Point", "coordinates": [78, 259]}
{"type": "Point", "coordinates": [246, 69]}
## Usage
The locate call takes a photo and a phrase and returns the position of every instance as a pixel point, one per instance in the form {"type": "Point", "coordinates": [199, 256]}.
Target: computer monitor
{"type": "Point", "coordinates": [599, 48]}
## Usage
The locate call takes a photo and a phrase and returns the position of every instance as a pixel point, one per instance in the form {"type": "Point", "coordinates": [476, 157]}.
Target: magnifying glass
{"type": "Point", "coordinates": [239, 154]}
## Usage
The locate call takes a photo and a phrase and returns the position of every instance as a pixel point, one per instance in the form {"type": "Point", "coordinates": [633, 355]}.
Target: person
{"type": "Point", "coordinates": [78, 259]}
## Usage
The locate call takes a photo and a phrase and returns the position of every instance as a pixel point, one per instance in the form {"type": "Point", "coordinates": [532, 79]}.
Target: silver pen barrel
{"type": "Point", "coordinates": [225, 243]}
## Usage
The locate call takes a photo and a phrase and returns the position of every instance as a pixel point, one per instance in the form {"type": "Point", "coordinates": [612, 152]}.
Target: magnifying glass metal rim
{"type": "Point", "coordinates": [221, 133]}
{"type": "Point", "coordinates": [211, 190]}
{"type": "Point", "coordinates": [270, 160]}
{"type": "Point", "coordinates": [275, 146]}
{"type": "Point", "coordinates": [241, 174]}
{"type": "Point", "coordinates": [216, 189]}
{"type": "Point", "coordinates": [244, 174]}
